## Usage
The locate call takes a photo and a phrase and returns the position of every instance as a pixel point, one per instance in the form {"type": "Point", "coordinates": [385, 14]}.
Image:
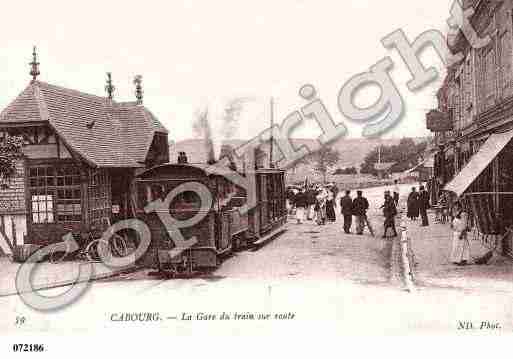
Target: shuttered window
{"type": "Point", "coordinates": [506, 58]}
{"type": "Point", "coordinates": [489, 77]}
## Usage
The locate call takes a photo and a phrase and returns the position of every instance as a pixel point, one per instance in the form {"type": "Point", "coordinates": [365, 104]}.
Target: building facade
{"type": "Point", "coordinates": [79, 155]}
{"type": "Point", "coordinates": [473, 124]}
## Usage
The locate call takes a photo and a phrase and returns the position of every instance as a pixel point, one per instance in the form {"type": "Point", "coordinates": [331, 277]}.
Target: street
{"type": "Point", "coordinates": [311, 274]}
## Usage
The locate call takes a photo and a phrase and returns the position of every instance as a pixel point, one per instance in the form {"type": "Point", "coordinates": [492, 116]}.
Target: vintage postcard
{"type": "Point", "coordinates": [262, 168]}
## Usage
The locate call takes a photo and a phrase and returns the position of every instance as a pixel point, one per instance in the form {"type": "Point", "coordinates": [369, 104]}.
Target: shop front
{"type": "Point", "coordinates": [485, 185]}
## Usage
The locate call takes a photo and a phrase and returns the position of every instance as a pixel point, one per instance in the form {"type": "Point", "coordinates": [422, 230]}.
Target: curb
{"type": "Point", "coordinates": [395, 265]}
{"type": "Point", "coordinates": [405, 267]}
{"type": "Point", "coordinates": [71, 282]}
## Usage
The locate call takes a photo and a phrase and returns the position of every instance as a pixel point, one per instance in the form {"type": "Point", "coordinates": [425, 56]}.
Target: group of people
{"type": "Point", "coordinates": [358, 208]}
{"type": "Point", "coordinates": [418, 204]}
{"type": "Point", "coordinates": [314, 203]}
{"type": "Point", "coordinates": [317, 203]}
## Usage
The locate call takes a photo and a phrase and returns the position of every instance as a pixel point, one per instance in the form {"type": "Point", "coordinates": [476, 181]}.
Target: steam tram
{"type": "Point", "coordinates": [222, 227]}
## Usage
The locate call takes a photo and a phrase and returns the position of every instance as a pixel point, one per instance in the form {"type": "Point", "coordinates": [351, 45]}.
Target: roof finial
{"type": "Point", "coordinates": [138, 89]}
{"type": "Point", "coordinates": [34, 72]}
{"type": "Point", "coordinates": [110, 88]}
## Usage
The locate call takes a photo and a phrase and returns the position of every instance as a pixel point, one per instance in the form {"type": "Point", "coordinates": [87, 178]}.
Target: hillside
{"type": "Point", "coordinates": [352, 151]}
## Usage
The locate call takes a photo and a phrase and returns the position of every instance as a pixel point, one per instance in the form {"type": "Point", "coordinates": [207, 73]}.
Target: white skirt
{"type": "Point", "coordinates": [300, 213]}
{"type": "Point", "coordinates": [460, 248]}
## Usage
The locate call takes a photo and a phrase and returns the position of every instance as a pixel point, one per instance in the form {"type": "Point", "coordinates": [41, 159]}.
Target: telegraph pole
{"type": "Point", "coordinates": [271, 165]}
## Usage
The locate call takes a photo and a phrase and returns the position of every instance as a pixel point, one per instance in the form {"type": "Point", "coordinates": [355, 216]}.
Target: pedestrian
{"type": "Point", "coordinates": [346, 205]}
{"type": "Point", "coordinates": [311, 193]}
{"type": "Point", "coordinates": [320, 207]}
{"type": "Point", "coordinates": [396, 192]}
{"type": "Point", "coordinates": [389, 212]}
{"type": "Point", "coordinates": [335, 191]}
{"type": "Point", "coordinates": [360, 207]}
{"type": "Point", "coordinates": [330, 207]}
{"type": "Point", "coordinates": [300, 203]}
{"type": "Point", "coordinates": [443, 204]}
{"type": "Point", "coordinates": [460, 253]}
{"type": "Point", "coordinates": [423, 206]}
{"type": "Point", "coordinates": [413, 204]}
{"type": "Point", "coordinates": [289, 195]}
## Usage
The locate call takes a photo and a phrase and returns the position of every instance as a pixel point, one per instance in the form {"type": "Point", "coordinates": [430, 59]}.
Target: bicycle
{"type": "Point", "coordinates": [94, 249]}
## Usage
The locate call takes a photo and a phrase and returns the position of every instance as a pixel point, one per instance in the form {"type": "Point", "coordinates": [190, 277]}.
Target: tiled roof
{"type": "Point", "coordinates": [105, 133]}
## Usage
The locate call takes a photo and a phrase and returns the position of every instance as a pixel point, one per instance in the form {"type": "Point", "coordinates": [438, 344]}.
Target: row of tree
{"type": "Point", "coordinates": [404, 155]}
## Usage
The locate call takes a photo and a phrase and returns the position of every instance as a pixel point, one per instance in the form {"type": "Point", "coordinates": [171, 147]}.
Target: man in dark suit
{"type": "Point", "coordinates": [346, 204]}
{"type": "Point", "coordinates": [360, 207]}
{"type": "Point", "coordinates": [389, 212]}
{"type": "Point", "coordinates": [423, 205]}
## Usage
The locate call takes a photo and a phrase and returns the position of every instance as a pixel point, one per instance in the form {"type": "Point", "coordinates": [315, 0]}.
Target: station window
{"type": "Point", "coordinates": [55, 194]}
{"type": "Point", "coordinates": [42, 209]}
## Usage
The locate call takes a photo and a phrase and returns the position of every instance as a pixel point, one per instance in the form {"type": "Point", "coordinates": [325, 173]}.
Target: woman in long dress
{"type": "Point", "coordinates": [460, 253]}
{"type": "Point", "coordinates": [412, 203]}
{"type": "Point", "coordinates": [320, 207]}
{"type": "Point", "coordinates": [300, 203]}
{"type": "Point", "coordinates": [330, 207]}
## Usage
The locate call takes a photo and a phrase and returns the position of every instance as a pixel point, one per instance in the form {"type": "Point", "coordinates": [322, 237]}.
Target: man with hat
{"type": "Point", "coordinates": [360, 207]}
{"type": "Point", "coordinates": [389, 212]}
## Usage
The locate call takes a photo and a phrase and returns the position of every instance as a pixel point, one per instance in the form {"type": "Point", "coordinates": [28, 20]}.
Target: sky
{"type": "Point", "coordinates": [197, 54]}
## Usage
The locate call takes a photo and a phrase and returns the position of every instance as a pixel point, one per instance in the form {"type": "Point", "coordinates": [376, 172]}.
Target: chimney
{"type": "Point", "coordinates": [209, 147]}
{"type": "Point", "coordinates": [138, 89]}
{"type": "Point", "coordinates": [182, 158]}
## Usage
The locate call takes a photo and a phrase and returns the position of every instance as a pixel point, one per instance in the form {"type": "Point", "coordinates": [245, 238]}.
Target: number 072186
{"type": "Point", "coordinates": [28, 348]}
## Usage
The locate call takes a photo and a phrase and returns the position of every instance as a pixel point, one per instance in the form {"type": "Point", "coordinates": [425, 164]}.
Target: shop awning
{"type": "Point", "coordinates": [427, 163]}
{"type": "Point", "coordinates": [478, 162]}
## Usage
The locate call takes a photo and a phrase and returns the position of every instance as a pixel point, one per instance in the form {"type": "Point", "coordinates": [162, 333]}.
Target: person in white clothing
{"type": "Point", "coordinates": [460, 253]}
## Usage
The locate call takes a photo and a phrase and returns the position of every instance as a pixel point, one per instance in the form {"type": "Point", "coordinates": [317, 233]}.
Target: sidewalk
{"type": "Point", "coordinates": [50, 275]}
{"type": "Point", "coordinates": [431, 247]}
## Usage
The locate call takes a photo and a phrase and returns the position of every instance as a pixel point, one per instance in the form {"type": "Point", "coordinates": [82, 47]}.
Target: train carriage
{"type": "Point", "coordinates": [270, 212]}
{"type": "Point", "coordinates": [222, 227]}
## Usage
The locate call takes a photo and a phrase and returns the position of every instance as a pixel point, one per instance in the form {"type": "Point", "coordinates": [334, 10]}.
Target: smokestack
{"type": "Point", "coordinates": [227, 152]}
{"type": "Point", "coordinates": [211, 157]}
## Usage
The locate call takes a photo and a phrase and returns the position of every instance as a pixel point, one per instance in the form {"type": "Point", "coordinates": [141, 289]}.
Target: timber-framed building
{"type": "Point", "coordinates": [80, 154]}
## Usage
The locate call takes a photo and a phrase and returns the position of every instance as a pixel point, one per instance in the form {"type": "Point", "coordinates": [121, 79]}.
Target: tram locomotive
{"type": "Point", "coordinates": [222, 229]}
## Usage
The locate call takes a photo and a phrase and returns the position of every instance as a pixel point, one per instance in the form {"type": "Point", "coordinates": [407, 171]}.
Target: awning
{"type": "Point", "coordinates": [478, 162]}
{"type": "Point", "coordinates": [429, 162]}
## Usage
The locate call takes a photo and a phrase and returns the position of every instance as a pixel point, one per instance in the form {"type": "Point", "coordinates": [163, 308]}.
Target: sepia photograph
{"type": "Point", "coordinates": [185, 169]}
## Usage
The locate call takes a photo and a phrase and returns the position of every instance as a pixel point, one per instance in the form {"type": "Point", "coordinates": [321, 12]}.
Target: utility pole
{"type": "Point", "coordinates": [271, 165]}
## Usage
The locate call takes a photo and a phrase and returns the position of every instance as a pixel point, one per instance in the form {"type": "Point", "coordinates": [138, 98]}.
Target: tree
{"type": "Point", "coordinates": [405, 155]}
{"type": "Point", "coordinates": [323, 159]}
{"type": "Point", "coordinates": [10, 148]}
{"type": "Point", "coordinates": [346, 171]}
